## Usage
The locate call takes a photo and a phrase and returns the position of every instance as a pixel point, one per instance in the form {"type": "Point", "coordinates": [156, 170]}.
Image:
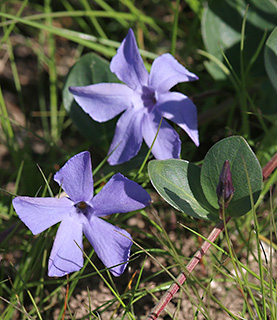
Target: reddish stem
{"type": "Point", "coordinates": [66, 298]}
{"type": "Point", "coordinates": [270, 166]}
{"type": "Point", "coordinates": [267, 170]}
{"type": "Point", "coordinates": [190, 266]}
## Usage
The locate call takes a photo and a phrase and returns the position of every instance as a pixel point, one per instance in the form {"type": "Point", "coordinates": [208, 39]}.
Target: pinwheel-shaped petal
{"type": "Point", "coordinates": [145, 99]}
{"type": "Point", "coordinates": [81, 213]}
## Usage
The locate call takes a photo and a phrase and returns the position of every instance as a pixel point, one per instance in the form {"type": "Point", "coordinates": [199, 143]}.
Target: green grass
{"type": "Point", "coordinates": [242, 262]}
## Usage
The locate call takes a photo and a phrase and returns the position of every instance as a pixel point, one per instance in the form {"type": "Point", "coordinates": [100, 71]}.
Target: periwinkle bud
{"type": "Point", "coordinates": [225, 189]}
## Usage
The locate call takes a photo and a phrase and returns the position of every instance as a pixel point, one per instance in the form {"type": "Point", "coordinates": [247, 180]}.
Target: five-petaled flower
{"type": "Point", "coordinates": [81, 212]}
{"type": "Point", "coordinates": [146, 99]}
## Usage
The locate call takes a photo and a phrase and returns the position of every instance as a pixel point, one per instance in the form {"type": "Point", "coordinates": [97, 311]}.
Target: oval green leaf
{"type": "Point", "coordinates": [221, 30]}
{"type": "Point", "coordinates": [245, 169]}
{"type": "Point", "coordinates": [89, 69]}
{"type": "Point", "coordinates": [270, 57]}
{"type": "Point", "coordinates": [178, 182]}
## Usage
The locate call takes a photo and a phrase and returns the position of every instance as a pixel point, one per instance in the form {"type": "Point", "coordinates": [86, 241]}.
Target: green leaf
{"type": "Point", "coordinates": [270, 57]}
{"type": "Point", "coordinates": [90, 69]}
{"type": "Point", "coordinates": [245, 169]}
{"type": "Point", "coordinates": [217, 32]}
{"type": "Point", "coordinates": [221, 28]}
{"type": "Point", "coordinates": [178, 182]}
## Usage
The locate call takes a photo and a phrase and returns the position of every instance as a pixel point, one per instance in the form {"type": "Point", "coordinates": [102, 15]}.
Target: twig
{"type": "Point", "coordinates": [190, 266]}
{"type": "Point", "coordinates": [270, 167]}
{"type": "Point", "coordinates": [155, 312]}
{"type": "Point", "coordinates": [65, 298]}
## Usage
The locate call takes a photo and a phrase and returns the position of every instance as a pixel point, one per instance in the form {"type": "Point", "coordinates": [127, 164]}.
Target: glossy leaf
{"type": "Point", "coordinates": [89, 69]}
{"type": "Point", "coordinates": [178, 182]}
{"type": "Point", "coordinates": [244, 168]}
{"type": "Point", "coordinates": [221, 29]}
{"type": "Point", "coordinates": [270, 56]}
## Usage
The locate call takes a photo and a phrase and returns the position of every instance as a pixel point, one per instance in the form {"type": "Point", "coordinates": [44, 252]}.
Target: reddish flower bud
{"type": "Point", "coordinates": [225, 189]}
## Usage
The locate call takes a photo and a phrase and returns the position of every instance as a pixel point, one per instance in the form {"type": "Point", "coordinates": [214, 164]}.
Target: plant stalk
{"type": "Point", "coordinates": [270, 167]}
{"type": "Point", "coordinates": [155, 312]}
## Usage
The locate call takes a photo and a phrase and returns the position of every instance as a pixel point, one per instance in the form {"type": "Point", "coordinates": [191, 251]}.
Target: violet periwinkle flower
{"type": "Point", "coordinates": [80, 213]}
{"type": "Point", "coordinates": [145, 99]}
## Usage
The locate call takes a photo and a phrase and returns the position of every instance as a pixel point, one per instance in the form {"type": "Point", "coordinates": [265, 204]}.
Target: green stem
{"type": "Point", "coordinates": [52, 78]}
{"type": "Point", "coordinates": [175, 28]}
{"type": "Point", "coordinates": [148, 153]}
{"type": "Point", "coordinates": [242, 92]}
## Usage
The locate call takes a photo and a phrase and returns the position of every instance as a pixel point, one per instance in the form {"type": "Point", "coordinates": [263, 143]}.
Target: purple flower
{"type": "Point", "coordinates": [81, 212]}
{"type": "Point", "coordinates": [146, 99]}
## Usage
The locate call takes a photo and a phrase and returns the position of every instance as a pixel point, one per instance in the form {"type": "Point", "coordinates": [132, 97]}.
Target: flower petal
{"type": "Point", "coordinates": [40, 214]}
{"type": "Point", "coordinates": [180, 109]}
{"type": "Point", "coordinates": [120, 195]}
{"type": "Point", "coordinates": [110, 244]}
{"type": "Point", "coordinates": [166, 72]}
{"type": "Point", "coordinates": [66, 256]}
{"type": "Point", "coordinates": [167, 144]}
{"type": "Point", "coordinates": [75, 177]}
{"type": "Point", "coordinates": [103, 101]}
{"type": "Point", "coordinates": [127, 139]}
{"type": "Point", "coordinates": [128, 65]}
